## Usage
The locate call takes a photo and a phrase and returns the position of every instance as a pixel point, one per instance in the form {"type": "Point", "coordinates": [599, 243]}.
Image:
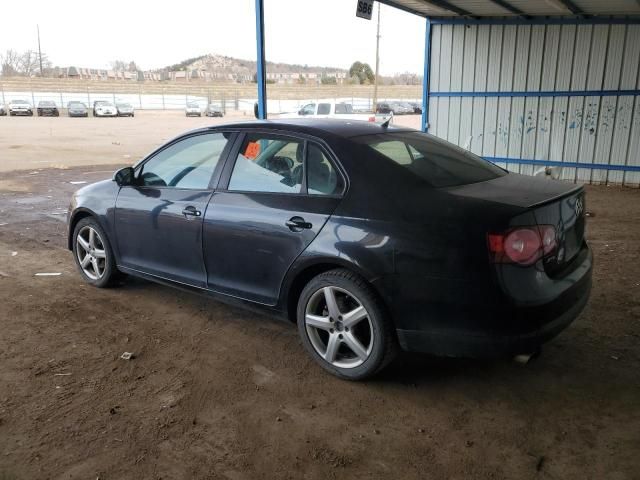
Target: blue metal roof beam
{"type": "Point", "coordinates": [450, 7]}
{"type": "Point", "coordinates": [572, 7]}
{"type": "Point", "coordinates": [510, 8]}
{"type": "Point", "coordinates": [436, 3]}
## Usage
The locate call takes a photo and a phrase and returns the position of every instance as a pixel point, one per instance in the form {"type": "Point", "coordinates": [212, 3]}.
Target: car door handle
{"type": "Point", "coordinates": [297, 224]}
{"type": "Point", "coordinates": [191, 211]}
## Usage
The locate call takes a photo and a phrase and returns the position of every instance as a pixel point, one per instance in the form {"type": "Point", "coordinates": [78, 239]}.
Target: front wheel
{"type": "Point", "coordinates": [93, 255]}
{"type": "Point", "coordinates": [344, 326]}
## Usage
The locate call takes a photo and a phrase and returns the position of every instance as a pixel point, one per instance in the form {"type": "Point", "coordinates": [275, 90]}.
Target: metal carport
{"type": "Point", "coordinates": [529, 83]}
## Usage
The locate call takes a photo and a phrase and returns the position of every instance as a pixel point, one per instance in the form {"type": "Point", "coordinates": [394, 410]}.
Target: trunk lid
{"type": "Point", "coordinates": [515, 189]}
{"type": "Point", "coordinates": [567, 214]}
{"type": "Point", "coordinates": [552, 203]}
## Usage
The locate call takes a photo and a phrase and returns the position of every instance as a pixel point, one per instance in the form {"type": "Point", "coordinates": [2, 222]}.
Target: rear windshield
{"type": "Point", "coordinates": [439, 163]}
{"type": "Point", "coordinates": [344, 108]}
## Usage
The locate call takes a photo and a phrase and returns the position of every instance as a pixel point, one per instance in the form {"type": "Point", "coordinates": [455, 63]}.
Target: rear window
{"type": "Point", "coordinates": [324, 108]}
{"type": "Point", "coordinates": [344, 108]}
{"type": "Point", "coordinates": [439, 163]}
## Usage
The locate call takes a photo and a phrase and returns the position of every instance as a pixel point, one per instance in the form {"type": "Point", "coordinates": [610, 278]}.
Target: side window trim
{"type": "Point", "coordinates": [213, 181]}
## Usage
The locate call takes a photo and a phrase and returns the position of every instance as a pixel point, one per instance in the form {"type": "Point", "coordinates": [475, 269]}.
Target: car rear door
{"type": "Point", "coordinates": [275, 195]}
{"type": "Point", "coordinates": [158, 221]}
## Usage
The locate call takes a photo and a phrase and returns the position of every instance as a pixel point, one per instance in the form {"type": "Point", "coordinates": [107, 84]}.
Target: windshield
{"type": "Point", "coordinates": [20, 102]}
{"type": "Point", "coordinates": [192, 105]}
{"type": "Point", "coordinates": [47, 104]}
{"type": "Point", "coordinates": [124, 105]}
{"type": "Point", "coordinates": [76, 105]}
{"type": "Point", "coordinates": [105, 104]}
{"type": "Point", "coordinates": [439, 163]}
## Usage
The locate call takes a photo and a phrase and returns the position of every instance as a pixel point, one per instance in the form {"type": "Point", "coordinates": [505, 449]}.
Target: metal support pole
{"type": "Point", "coordinates": [425, 77]}
{"type": "Point", "coordinates": [260, 76]}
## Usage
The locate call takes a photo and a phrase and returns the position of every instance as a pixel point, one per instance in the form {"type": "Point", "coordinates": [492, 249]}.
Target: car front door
{"type": "Point", "coordinates": [158, 220]}
{"type": "Point", "coordinates": [275, 195]}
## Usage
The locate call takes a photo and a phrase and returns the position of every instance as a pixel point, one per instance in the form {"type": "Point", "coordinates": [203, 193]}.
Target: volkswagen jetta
{"type": "Point", "coordinates": [371, 238]}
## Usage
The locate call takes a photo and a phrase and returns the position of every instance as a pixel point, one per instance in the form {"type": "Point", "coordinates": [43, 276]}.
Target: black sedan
{"type": "Point", "coordinates": [371, 238]}
{"type": "Point", "coordinates": [47, 108]}
{"type": "Point", "coordinates": [77, 109]}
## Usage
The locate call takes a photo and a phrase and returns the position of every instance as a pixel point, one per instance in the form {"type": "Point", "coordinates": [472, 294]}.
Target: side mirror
{"type": "Point", "coordinates": [125, 176]}
{"type": "Point", "coordinates": [301, 112]}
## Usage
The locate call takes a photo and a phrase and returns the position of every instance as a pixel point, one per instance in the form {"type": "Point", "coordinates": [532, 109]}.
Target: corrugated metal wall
{"type": "Point", "coordinates": [598, 129]}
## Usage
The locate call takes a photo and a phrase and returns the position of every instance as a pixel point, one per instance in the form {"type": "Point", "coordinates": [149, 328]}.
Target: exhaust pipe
{"type": "Point", "coordinates": [525, 358]}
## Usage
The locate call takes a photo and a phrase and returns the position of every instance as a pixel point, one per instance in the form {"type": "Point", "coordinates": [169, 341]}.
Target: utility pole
{"type": "Point", "coordinates": [39, 51]}
{"type": "Point", "coordinates": [375, 79]}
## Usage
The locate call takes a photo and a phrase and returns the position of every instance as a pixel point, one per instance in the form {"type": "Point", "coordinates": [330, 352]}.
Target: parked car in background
{"type": "Point", "coordinates": [396, 108]}
{"type": "Point", "coordinates": [401, 108]}
{"type": "Point", "coordinates": [102, 108]}
{"type": "Point", "coordinates": [3, 110]}
{"type": "Point", "coordinates": [213, 111]}
{"type": "Point", "coordinates": [338, 110]}
{"type": "Point", "coordinates": [125, 110]}
{"type": "Point", "coordinates": [371, 238]}
{"type": "Point", "coordinates": [417, 107]}
{"type": "Point", "coordinates": [47, 108]}
{"type": "Point", "coordinates": [193, 110]}
{"type": "Point", "coordinates": [77, 109]}
{"type": "Point", "coordinates": [20, 107]}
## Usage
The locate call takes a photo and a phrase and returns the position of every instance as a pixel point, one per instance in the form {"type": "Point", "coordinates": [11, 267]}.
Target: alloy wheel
{"type": "Point", "coordinates": [339, 327]}
{"type": "Point", "coordinates": [91, 253]}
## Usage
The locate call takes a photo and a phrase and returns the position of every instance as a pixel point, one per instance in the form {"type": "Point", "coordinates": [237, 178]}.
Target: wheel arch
{"type": "Point", "coordinates": [300, 276]}
{"type": "Point", "coordinates": [76, 216]}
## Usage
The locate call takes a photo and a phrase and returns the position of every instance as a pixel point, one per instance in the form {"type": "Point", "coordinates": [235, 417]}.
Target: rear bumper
{"type": "Point", "coordinates": [540, 323]}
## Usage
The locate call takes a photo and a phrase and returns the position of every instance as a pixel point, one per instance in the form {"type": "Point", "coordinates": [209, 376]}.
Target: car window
{"type": "Point", "coordinates": [309, 109]}
{"type": "Point", "coordinates": [268, 164]}
{"type": "Point", "coordinates": [439, 163]}
{"type": "Point", "coordinates": [189, 163]}
{"type": "Point", "coordinates": [324, 108]}
{"type": "Point", "coordinates": [344, 108]}
{"type": "Point", "coordinates": [322, 178]}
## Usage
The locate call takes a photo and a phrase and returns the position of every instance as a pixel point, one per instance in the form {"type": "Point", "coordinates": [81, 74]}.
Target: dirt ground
{"type": "Point", "coordinates": [215, 392]}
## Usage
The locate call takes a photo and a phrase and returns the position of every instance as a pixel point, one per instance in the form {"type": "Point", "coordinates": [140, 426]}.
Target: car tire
{"type": "Point", "coordinates": [362, 339]}
{"type": "Point", "coordinates": [102, 259]}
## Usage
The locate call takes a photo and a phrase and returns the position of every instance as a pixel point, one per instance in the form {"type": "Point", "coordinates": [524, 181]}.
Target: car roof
{"type": "Point", "coordinates": [317, 127]}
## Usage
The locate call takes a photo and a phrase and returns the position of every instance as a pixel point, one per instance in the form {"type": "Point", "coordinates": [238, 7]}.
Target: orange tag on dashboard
{"type": "Point", "coordinates": [252, 150]}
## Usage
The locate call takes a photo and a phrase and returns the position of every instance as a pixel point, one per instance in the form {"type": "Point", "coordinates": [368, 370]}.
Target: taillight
{"type": "Point", "coordinates": [372, 119]}
{"type": "Point", "coordinates": [522, 245]}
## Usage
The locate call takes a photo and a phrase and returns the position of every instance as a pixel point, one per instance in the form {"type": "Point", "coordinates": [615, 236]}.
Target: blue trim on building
{"type": "Point", "coordinates": [261, 72]}
{"type": "Point", "coordinates": [592, 20]}
{"type": "Point", "coordinates": [425, 78]}
{"type": "Point", "coordinates": [563, 93]}
{"type": "Point", "coordinates": [553, 163]}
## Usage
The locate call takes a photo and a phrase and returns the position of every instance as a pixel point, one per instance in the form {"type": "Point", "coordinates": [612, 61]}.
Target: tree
{"type": "Point", "coordinates": [10, 61]}
{"type": "Point", "coordinates": [327, 80]}
{"type": "Point", "coordinates": [29, 63]}
{"type": "Point", "coordinates": [124, 66]}
{"type": "Point", "coordinates": [362, 71]}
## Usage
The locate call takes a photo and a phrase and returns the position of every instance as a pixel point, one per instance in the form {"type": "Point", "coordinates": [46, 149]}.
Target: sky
{"type": "Point", "coordinates": [88, 33]}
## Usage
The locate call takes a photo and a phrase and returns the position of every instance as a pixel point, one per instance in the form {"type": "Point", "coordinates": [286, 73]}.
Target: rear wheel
{"type": "Point", "coordinates": [93, 255]}
{"type": "Point", "coordinates": [344, 326]}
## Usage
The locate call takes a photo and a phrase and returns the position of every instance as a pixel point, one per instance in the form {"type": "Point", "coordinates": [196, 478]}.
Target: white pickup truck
{"type": "Point", "coordinates": [339, 110]}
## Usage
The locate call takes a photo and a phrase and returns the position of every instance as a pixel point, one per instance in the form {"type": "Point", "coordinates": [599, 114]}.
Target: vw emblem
{"type": "Point", "coordinates": [579, 207]}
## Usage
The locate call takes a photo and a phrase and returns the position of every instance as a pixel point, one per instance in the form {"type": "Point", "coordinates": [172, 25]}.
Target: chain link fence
{"type": "Point", "coordinates": [227, 97]}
